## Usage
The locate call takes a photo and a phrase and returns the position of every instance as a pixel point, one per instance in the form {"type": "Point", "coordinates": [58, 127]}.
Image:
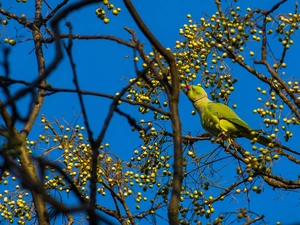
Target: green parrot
{"type": "Point", "coordinates": [216, 118]}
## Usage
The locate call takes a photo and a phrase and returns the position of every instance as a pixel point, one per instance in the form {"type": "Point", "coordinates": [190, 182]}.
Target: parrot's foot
{"type": "Point", "coordinates": [229, 147]}
{"type": "Point", "coordinates": [223, 135]}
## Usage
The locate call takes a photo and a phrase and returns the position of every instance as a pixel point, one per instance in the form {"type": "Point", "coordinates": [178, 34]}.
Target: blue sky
{"type": "Point", "coordinates": [102, 67]}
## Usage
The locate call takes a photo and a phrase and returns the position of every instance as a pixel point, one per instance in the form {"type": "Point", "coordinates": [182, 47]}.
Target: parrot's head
{"type": "Point", "coordinates": [195, 92]}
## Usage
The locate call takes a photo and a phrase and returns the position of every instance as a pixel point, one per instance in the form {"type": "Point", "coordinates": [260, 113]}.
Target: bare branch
{"type": "Point", "coordinates": [52, 90]}
{"type": "Point", "coordinates": [173, 95]}
{"type": "Point", "coordinates": [93, 37]}
{"type": "Point", "coordinates": [55, 10]}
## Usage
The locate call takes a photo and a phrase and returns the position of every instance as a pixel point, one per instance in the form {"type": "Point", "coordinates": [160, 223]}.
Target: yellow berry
{"type": "Point", "coordinates": [106, 20]}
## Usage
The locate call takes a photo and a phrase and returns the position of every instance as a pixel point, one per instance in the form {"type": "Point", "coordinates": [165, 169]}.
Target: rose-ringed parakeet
{"type": "Point", "coordinates": [217, 117]}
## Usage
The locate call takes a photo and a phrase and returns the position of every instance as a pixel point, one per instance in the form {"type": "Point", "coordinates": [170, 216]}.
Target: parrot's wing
{"type": "Point", "coordinates": [224, 112]}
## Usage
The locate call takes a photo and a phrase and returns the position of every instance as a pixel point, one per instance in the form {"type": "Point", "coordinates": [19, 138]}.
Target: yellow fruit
{"type": "Point", "coordinates": [12, 42]}
{"type": "Point", "coordinates": [106, 20]}
{"type": "Point", "coordinates": [115, 12]}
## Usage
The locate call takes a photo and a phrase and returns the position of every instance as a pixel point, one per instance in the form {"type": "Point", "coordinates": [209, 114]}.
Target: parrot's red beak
{"type": "Point", "coordinates": [188, 86]}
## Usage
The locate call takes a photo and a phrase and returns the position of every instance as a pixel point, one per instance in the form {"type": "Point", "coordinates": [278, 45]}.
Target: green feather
{"type": "Point", "coordinates": [217, 118]}
{"type": "Point", "coordinates": [224, 112]}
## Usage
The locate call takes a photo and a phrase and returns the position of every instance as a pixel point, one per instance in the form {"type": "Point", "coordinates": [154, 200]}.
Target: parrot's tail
{"type": "Point", "coordinates": [256, 136]}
